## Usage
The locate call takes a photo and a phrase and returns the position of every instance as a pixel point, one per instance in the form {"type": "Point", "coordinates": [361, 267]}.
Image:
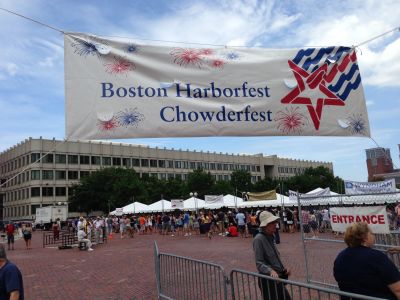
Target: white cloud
{"type": "Point", "coordinates": [8, 69]}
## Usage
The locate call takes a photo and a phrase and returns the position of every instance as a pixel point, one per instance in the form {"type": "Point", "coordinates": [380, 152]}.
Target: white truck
{"type": "Point", "coordinates": [48, 214]}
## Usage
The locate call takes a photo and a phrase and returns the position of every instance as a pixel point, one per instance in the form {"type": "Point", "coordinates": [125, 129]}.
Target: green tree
{"type": "Point", "coordinates": [105, 190]}
{"type": "Point", "coordinates": [223, 187]}
{"type": "Point", "coordinates": [241, 181]}
{"type": "Point", "coordinates": [314, 178]}
{"type": "Point", "coordinates": [266, 184]}
{"type": "Point", "coordinates": [200, 182]}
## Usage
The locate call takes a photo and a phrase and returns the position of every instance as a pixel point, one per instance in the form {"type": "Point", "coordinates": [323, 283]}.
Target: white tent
{"type": "Point", "coordinates": [192, 203]}
{"type": "Point", "coordinates": [318, 190]}
{"type": "Point", "coordinates": [134, 208]}
{"type": "Point", "coordinates": [159, 206]}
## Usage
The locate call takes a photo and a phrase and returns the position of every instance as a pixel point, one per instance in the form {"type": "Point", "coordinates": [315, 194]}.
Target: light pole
{"type": "Point", "coordinates": [194, 195]}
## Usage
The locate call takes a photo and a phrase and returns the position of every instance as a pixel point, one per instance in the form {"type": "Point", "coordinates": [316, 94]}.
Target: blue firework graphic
{"type": "Point", "coordinates": [232, 55]}
{"type": "Point", "coordinates": [357, 124]}
{"type": "Point", "coordinates": [129, 117]}
{"type": "Point", "coordinates": [132, 48]}
{"type": "Point", "coordinates": [86, 48]}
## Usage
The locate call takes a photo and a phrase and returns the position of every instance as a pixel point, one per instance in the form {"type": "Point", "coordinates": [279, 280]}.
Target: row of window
{"type": "Point", "coordinates": [291, 170]}
{"type": "Point", "coordinates": [17, 211]}
{"type": "Point", "coordinates": [122, 161]}
{"type": "Point", "coordinates": [44, 191]}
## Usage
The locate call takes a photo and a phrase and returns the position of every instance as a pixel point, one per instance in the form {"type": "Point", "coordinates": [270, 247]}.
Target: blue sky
{"type": "Point", "coordinates": [32, 63]}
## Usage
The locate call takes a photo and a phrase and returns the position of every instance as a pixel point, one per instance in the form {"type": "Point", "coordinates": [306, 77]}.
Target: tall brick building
{"type": "Point", "coordinates": [379, 162]}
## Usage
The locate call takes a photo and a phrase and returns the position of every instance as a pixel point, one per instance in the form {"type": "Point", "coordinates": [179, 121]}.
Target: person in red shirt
{"type": "Point", "coordinates": [232, 231]}
{"type": "Point", "coordinates": [10, 235]}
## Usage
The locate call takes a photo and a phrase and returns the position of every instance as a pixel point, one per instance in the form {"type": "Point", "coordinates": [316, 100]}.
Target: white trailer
{"type": "Point", "coordinates": [48, 214]}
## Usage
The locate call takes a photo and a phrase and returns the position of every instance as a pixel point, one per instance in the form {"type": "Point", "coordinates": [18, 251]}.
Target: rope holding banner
{"type": "Point", "coordinates": [165, 41]}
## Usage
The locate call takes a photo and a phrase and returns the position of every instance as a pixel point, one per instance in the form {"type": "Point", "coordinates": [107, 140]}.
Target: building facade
{"type": "Point", "coordinates": [40, 172]}
{"type": "Point", "coordinates": [380, 165]}
{"type": "Point", "coordinates": [379, 162]}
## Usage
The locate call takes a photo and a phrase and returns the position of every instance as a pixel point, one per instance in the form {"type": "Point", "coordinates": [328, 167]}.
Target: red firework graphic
{"type": "Point", "coordinates": [291, 120]}
{"type": "Point", "coordinates": [108, 125]}
{"type": "Point", "coordinates": [185, 57]}
{"type": "Point", "coordinates": [206, 52]}
{"type": "Point", "coordinates": [218, 63]}
{"type": "Point", "coordinates": [120, 65]}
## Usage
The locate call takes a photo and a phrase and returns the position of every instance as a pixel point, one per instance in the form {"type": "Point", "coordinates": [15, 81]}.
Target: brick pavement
{"type": "Point", "coordinates": [124, 269]}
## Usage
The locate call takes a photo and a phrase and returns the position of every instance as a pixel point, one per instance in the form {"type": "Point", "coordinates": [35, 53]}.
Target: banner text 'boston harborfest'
{"type": "Point", "coordinates": [177, 114]}
{"type": "Point", "coordinates": [119, 89]}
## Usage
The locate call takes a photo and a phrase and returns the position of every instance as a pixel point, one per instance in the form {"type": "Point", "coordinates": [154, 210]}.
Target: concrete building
{"type": "Point", "coordinates": [40, 172]}
{"type": "Point", "coordinates": [380, 165]}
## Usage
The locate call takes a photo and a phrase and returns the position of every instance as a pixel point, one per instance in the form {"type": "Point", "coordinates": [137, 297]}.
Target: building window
{"type": "Point", "coordinates": [170, 164]}
{"type": "Point", "coordinates": [96, 160]}
{"type": "Point", "coordinates": [106, 161]}
{"type": "Point", "coordinates": [47, 191]}
{"type": "Point", "coordinates": [73, 159]}
{"type": "Point", "coordinates": [48, 158]}
{"type": "Point", "coordinates": [170, 175]}
{"type": "Point", "coordinates": [219, 166]}
{"type": "Point", "coordinates": [61, 158]}
{"type": "Point", "coordinates": [153, 163]}
{"type": "Point", "coordinates": [192, 165]}
{"type": "Point", "coordinates": [116, 161]}
{"type": "Point", "coordinates": [35, 157]}
{"type": "Point", "coordinates": [144, 162]}
{"type": "Point", "coordinates": [47, 174]}
{"type": "Point", "coordinates": [178, 164]}
{"type": "Point", "coordinates": [212, 166]}
{"type": "Point", "coordinates": [60, 175]}
{"type": "Point", "coordinates": [163, 176]}
{"type": "Point", "coordinates": [136, 162]}
{"type": "Point", "coordinates": [35, 175]}
{"type": "Point", "coordinates": [35, 191]}
{"type": "Point", "coordinates": [84, 160]}
{"type": "Point", "coordinates": [60, 191]}
{"type": "Point", "coordinates": [72, 175]}
{"type": "Point", "coordinates": [161, 163]}
{"type": "Point", "coordinates": [126, 162]}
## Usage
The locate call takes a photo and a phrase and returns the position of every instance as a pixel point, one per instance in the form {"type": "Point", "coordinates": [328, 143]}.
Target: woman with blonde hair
{"type": "Point", "coordinates": [362, 270]}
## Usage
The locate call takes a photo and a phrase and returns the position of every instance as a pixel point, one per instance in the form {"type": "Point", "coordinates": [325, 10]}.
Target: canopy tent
{"type": "Point", "coordinates": [318, 190]}
{"type": "Point", "coordinates": [134, 208]}
{"type": "Point", "coordinates": [159, 206]}
{"type": "Point", "coordinates": [193, 203]}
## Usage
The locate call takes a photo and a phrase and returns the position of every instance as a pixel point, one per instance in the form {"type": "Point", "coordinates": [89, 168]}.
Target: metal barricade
{"type": "Point", "coordinates": [183, 278]}
{"type": "Point", "coordinates": [248, 285]}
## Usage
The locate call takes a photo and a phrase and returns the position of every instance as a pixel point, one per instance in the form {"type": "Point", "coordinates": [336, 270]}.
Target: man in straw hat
{"type": "Point", "coordinates": [268, 260]}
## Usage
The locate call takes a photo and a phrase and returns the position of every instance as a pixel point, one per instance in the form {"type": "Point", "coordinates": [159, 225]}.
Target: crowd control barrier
{"type": "Point", "coordinates": [182, 278]}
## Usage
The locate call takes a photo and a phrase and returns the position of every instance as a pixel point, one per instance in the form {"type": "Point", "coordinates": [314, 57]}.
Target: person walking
{"type": "Point", "coordinates": [10, 228]}
{"type": "Point", "coordinates": [11, 283]}
{"type": "Point", "coordinates": [27, 234]}
{"type": "Point", "coordinates": [268, 261]}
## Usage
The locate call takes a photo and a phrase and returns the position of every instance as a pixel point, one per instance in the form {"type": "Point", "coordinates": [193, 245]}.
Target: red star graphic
{"type": "Point", "coordinates": [311, 81]}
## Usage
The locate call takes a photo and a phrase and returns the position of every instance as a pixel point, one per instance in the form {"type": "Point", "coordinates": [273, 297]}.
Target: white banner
{"type": "Point", "coordinates": [293, 195]}
{"type": "Point", "coordinates": [119, 211]}
{"type": "Point", "coordinates": [375, 216]}
{"type": "Point", "coordinates": [177, 204]}
{"type": "Point", "coordinates": [214, 199]}
{"type": "Point", "coordinates": [353, 187]}
{"type": "Point", "coordinates": [117, 89]}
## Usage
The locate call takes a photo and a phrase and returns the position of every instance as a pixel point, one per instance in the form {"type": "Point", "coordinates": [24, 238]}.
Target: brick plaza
{"type": "Point", "coordinates": [124, 269]}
